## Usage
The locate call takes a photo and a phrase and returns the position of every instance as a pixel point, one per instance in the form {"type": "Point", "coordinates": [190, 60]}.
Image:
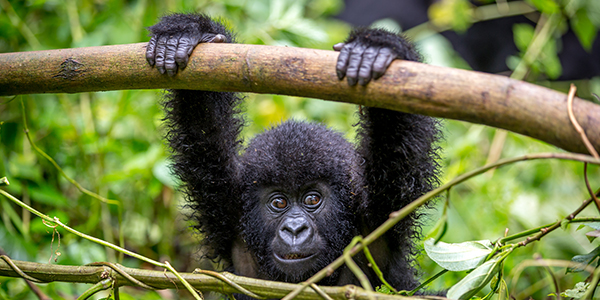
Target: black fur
{"type": "Point", "coordinates": [393, 164]}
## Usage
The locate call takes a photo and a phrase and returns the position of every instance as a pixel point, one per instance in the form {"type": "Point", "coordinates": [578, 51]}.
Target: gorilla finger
{"type": "Point", "coordinates": [218, 38]}
{"type": "Point", "coordinates": [159, 56]}
{"type": "Point", "coordinates": [382, 62]}
{"type": "Point", "coordinates": [342, 61]}
{"type": "Point", "coordinates": [185, 46]}
{"type": "Point", "coordinates": [150, 50]}
{"type": "Point", "coordinates": [354, 62]}
{"type": "Point", "coordinates": [338, 46]}
{"type": "Point", "coordinates": [366, 66]}
{"type": "Point", "coordinates": [170, 64]}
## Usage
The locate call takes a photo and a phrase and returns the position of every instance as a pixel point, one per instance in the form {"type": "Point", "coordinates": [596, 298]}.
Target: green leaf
{"type": "Point", "coordinates": [384, 289]}
{"type": "Point", "coordinates": [584, 260]}
{"type": "Point", "coordinates": [441, 226]}
{"type": "Point", "coordinates": [546, 6]}
{"type": "Point", "coordinates": [577, 292]}
{"type": "Point", "coordinates": [595, 225]}
{"type": "Point", "coordinates": [47, 194]}
{"type": "Point", "coordinates": [522, 35]}
{"type": "Point", "coordinates": [592, 235]}
{"type": "Point", "coordinates": [475, 281]}
{"type": "Point", "coordinates": [458, 257]}
{"type": "Point", "coordinates": [584, 29]}
{"type": "Point", "coordinates": [550, 61]}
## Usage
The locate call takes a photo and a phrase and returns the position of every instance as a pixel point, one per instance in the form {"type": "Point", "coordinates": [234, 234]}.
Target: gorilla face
{"type": "Point", "coordinates": [296, 242]}
{"type": "Point", "coordinates": [301, 190]}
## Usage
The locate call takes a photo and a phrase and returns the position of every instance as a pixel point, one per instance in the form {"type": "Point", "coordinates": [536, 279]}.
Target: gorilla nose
{"type": "Point", "coordinates": [296, 231]}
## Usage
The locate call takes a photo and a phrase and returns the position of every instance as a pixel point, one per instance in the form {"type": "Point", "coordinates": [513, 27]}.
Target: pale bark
{"type": "Point", "coordinates": [407, 86]}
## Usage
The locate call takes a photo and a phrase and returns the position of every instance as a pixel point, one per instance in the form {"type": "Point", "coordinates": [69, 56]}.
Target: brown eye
{"type": "Point", "coordinates": [279, 203]}
{"type": "Point", "coordinates": [312, 200]}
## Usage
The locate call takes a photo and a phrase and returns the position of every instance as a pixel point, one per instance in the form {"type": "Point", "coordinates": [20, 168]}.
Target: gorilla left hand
{"type": "Point", "coordinates": [359, 62]}
{"type": "Point", "coordinates": [367, 53]}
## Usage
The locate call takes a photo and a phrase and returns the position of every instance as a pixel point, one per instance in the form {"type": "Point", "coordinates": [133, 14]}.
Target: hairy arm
{"type": "Point", "coordinates": [398, 148]}
{"type": "Point", "coordinates": [202, 130]}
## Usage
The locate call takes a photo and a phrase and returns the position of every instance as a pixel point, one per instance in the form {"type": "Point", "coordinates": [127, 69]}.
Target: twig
{"type": "Point", "coordinates": [55, 220]}
{"type": "Point", "coordinates": [544, 29]}
{"type": "Point", "coordinates": [580, 130]}
{"type": "Point", "coordinates": [28, 279]}
{"type": "Point", "coordinates": [428, 281]}
{"type": "Point", "coordinates": [529, 232]}
{"type": "Point", "coordinates": [552, 277]}
{"type": "Point", "coordinates": [516, 272]}
{"type": "Point", "coordinates": [230, 282]}
{"type": "Point", "coordinates": [375, 268]}
{"type": "Point", "coordinates": [589, 188]}
{"type": "Point", "coordinates": [18, 270]}
{"type": "Point", "coordinates": [55, 164]}
{"type": "Point", "coordinates": [117, 269]}
{"type": "Point", "coordinates": [271, 289]}
{"type": "Point", "coordinates": [546, 230]}
{"type": "Point", "coordinates": [73, 181]}
{"type": "Point", "coordinates": [99, 286]}
{"type": "Point", "coordinates": [395, 217]}
{"type": "Point", "coordinates": [481, 13]}
{"type": "Point", "coordinates": [362, 278]}
{"type": "Point", "coordinates": [589, 294]}
{"type": "Point", "coordinates": [320, 291]}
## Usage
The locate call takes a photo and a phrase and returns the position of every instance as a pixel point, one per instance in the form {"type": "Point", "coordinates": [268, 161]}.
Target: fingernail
{"type": "Point", "coordinates": [351, 81]}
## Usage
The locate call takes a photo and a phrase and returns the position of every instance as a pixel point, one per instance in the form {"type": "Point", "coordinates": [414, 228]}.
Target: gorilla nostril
{"type": "Point", "coordinates": [295, 227]}
{"type": "Point", "coordinates": [295, 231]}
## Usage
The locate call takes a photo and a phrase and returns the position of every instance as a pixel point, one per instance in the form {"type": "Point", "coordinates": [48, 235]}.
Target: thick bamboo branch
{"type": "Point", "coordinates": [407, 86]}
{"type": "Point", "coordinates": [166, 280]}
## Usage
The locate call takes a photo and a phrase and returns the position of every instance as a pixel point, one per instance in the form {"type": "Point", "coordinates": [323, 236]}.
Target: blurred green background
{"type": "Point", "coordinates": [111, 143]}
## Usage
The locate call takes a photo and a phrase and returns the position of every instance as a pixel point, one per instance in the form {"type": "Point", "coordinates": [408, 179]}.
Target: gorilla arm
{"type": "Point", "coordinates": [202, 130]}
{"type": "Point", "coordinates": [398, 148]}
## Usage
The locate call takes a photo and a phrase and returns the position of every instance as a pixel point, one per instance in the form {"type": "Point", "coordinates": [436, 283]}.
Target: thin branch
{"type": "Point", "coordinates": [58, 168]}
{"type": "Point", "coordinates": [479, 14]}
{"type": "Point", "coordinates": [529, 232]}
{"type": "Point", "coordinates": [584, 137]}
{"type": "Point", "coordinates": [545, 27]}
{"type": "Point", "coordinates": [396, 216]}
{"type": "Point", "coordinates": [516, 272]}
{"type": "Point", "coordinates": [589, 187]}
{"type": "Point", "coordinates": [548, 23]}
{"type": "Point", "coordinates": [56, 221]}
{"type": "Point", "coordinates": [544, 231]}
{"type": "Point", "coordinates": [154, 278]}
{"type": "Point", "coordinates": [552, 277]}
{"type": "Point", "coordinates": [356, 270]}
{"type": "Point", "coordinates": [589, 294]}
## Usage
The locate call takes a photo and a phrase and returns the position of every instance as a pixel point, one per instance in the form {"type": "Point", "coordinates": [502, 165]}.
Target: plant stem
{"type": "Point", "coordinates": [396, 216]}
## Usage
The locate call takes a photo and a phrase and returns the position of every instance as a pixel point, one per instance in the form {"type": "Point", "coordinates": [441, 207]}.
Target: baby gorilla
{"type": "Point", "coordinates": [288, 204]}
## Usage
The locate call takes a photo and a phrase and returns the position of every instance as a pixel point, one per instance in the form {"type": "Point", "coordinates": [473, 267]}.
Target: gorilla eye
{"type": "Point", "coordinates": [312, 200]}
{"type": "Point", "coordinates": [279, 203]}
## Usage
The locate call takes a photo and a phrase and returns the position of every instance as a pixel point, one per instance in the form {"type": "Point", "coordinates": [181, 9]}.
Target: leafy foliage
{"type": "Point", "coordinates": [111, 143]}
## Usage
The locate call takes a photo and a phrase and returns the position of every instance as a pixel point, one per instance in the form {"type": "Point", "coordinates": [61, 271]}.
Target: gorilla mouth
{"type": "Point", "coordinates": [293, 256]}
